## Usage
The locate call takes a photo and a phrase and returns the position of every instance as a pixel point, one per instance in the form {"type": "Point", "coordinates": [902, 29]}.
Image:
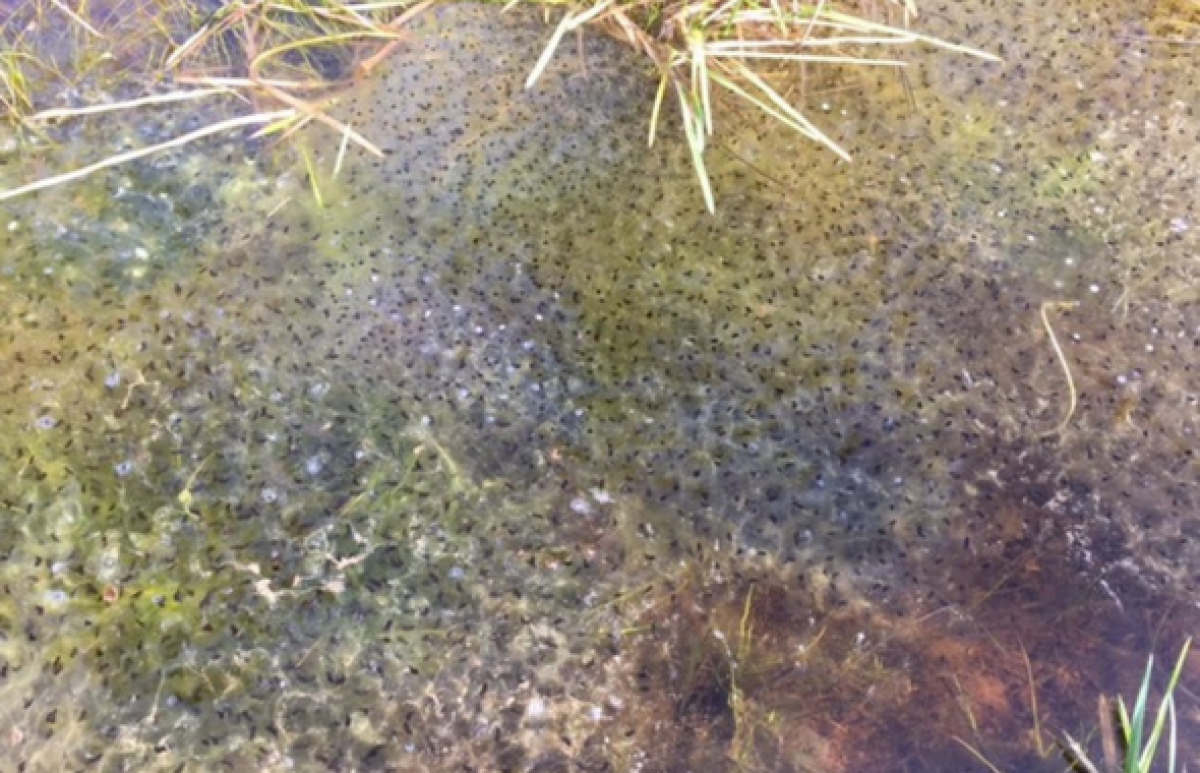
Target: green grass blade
{"type": "Point", "coordinates": [694, 129]}
{"type": "Point", "coordinates": [700, 77]}
{"type": "Point", "coordinates": [1166, 707]}
{"type": "Point", "coordinates": [1123, 715]}
{"type": "Point", "coordinates": [1137, 723]}
{"type": "Point", "coordinates": [656, 111]}
{"type": "Point", "coordinates": [312, 178]}
{"type": "Point", "coordinates": [1172, 739]}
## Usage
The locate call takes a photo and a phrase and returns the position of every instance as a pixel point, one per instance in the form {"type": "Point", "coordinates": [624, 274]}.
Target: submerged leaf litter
{"type": "Point", "coordinates": [511, 457]}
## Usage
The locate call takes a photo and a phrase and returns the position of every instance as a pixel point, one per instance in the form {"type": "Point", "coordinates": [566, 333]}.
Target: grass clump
{"type": "Point", "coordinates": [286, 59]}
{"type": "Point", "coordinates": [748, 49]}
{"type": "Point", "coordinates": [278, 56]}
{"type": "Point", "coordinates": [1140, 740]}
{"type": "Point", "coordinates": [1134, 748]}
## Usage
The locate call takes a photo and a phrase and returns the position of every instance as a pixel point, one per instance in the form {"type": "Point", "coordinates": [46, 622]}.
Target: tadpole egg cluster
{"type": "Point", "coordinates": [412, 474]}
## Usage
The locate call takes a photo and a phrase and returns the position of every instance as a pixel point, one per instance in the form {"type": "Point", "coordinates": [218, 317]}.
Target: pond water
{"type": "Point", "coordinates": [499, 453]}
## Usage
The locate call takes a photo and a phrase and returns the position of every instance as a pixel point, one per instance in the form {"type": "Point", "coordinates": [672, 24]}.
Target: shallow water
{"type": "Point", "coordinates": [510, 457]}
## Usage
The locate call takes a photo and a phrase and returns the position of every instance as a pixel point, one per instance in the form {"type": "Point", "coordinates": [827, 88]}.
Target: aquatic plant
{"type": "Point", "coordinates": [1141, 742]}
{"type": "Point", "coordinates": [1134, 750]}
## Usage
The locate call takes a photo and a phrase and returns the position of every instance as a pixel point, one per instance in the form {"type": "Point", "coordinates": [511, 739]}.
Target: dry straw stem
{"type": "Point", "coordinates": [82, 22]}
{"type": "Point", "coordinates": [133, 155]}
{"type": "Point", "coordinates": [740, 46]}
{"type": "Point", "coordinates": [273, 30]}
{"type": "Point", "coordinates": [109, 107]}
{"type": "Point", "coordinates": [1072, 395]}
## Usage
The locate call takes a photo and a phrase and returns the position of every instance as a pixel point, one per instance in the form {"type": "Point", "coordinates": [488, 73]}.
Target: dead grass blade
{"type": "Point", "coordinates": [315, 113]}
{"type": "Point", "coordinates": [131, 104]}
{"type": "Point", "coordinates": [133, 155]}
{"type": "Point", "coordinates": [82, 22]}
{"type": "Point", "coordinates": [371, 62]}
{"type": "Point", "coordinates": [571, 21]}
{"type": "Point", "coordinates": [864, 25]}
{"type": "Point", "coordinates": [769, 101]}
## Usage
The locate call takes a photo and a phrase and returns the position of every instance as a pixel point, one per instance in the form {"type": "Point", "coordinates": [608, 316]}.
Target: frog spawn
{"type": "Point", "coordinates": [389, 416]}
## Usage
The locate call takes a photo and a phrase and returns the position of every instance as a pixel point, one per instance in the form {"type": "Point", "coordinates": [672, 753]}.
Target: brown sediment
{"type": "Point", "coordinates": [755, 670]}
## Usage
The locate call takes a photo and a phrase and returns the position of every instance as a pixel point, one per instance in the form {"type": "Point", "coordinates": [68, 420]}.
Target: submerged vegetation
{"type": "Point", "coordinates": [292, 54]}
{"type": "Point", "coordinates": [1135, 749]}
{"type": "Point", "coordinates": [1141, 742]}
